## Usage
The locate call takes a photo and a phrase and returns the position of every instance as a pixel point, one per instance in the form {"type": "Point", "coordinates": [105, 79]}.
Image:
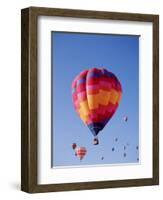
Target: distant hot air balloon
{"type": "Point", "coordinates": [125, 118]}
{"type": "Point", "coordinates": [96, 95]}
{"type": "Point", "coordinates": [80, 152]}
{"type": "Point", "coordinates": [74, 146]}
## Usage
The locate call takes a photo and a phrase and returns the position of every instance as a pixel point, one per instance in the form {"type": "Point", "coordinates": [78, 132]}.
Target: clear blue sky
{"type": "Point", "coordinates": [73, 53]}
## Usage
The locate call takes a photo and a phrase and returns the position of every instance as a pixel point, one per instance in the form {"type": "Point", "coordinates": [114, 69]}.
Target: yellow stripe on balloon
{"type": "Point", "coordinates": [93, 101]}
{"type": "Point", "coordinates": [114, 96]}
{"type": "Point", "coordinates": [84, 107]}
{"type": "Point", "coordinates": [82, 116]}
{"type": "Point", "coordinates": [103, 98]}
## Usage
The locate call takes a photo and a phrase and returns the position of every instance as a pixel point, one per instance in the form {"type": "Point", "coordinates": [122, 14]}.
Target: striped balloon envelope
{"type": "Point", "coordinates": [80, 152]}
{"type": "Point", "coordinates": [96, 95]}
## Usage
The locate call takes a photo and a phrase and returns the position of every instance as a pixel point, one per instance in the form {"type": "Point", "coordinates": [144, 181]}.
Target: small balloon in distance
{"type": "Point", "coordinates": [124, 155]}
{"type": "Point", "coordinates": [113, 149]}
{"type": "Point", "coordinates": [125, 118]}
{"type": "Point", "coordinates": [74, 146]}
{"type": "Point", "coordinates": [80, 152]}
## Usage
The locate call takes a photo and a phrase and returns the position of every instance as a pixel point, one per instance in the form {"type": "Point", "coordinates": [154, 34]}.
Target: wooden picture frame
{"type": "Point", "coordinates": [29, 112]}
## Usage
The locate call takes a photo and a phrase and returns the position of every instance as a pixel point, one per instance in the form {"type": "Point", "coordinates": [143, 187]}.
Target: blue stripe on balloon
{"type": "Point", "coordinates": [82, 80]}
{"type": "Point", "coordinates": [96, 127]}
{"type": "Point", "coordinates": [109, 74]}
{"type": "Point", "coordinates": [98, 75]}
{"type": "Point", "coordinates": [93, 75]}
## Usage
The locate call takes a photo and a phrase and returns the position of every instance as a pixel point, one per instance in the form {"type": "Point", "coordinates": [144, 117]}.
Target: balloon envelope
{"type": "Point", "coordinates": [96, 95]}
{"type": "Point", "coordinates": [81, 152]}
{"type": "Point", "coordinates": [125, 118]}
{"type": "Point", "coordinates": [74, 145]}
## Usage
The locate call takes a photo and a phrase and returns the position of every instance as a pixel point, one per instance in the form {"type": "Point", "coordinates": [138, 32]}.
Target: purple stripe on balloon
{"type": "Point", "coordinates": [81, 80]}
{"type": "Point", "coordinates": [92, 87]}
{"type": "Point", "coordinates": [93, 75]}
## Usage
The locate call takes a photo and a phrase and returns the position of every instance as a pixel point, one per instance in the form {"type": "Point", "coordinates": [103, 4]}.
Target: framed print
{"type": "Point", "coordinates": [90, 99]}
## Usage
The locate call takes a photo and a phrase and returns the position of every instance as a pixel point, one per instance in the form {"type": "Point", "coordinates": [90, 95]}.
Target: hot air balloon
{"type": "Point", "coordinates": [74, 146]}
{"type": "Point", "coordinates": [96, 94]}
{"type": "Point", "coordinates": [124, 155]}
{"type": "Point", "coordinates": [80, 152]}
{"type": "Point", "coordinates": [125, 118]}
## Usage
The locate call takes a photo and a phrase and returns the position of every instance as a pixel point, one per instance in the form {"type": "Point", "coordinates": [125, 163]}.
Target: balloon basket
{"type": "Point", "coordinates": [95, 141]}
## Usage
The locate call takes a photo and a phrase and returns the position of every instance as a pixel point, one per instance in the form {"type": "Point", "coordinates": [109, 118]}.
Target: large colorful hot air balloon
{"type": "Point", "coordinates": [80, 152]}
{"type": "Point", "coordinates": [96, 95]}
